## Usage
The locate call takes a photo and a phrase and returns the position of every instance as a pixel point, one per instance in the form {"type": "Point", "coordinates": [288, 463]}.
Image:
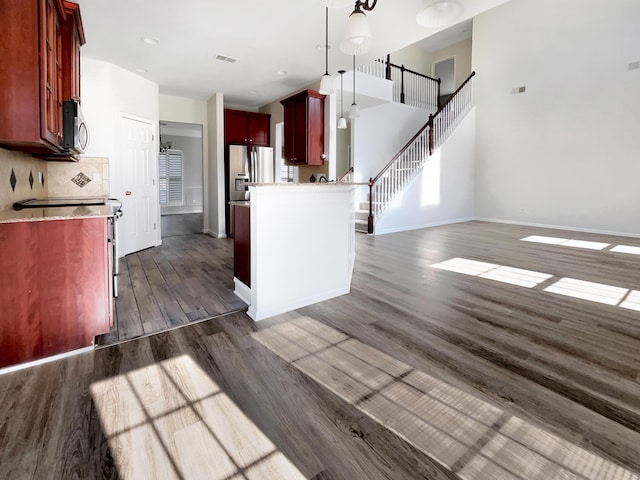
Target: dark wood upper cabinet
{"type": "Point", "coordinates": [304, 128]}
{"type": "Point", "coordinates": [40, 52]}
{"type": "Point", "coordinates": [72, 40]}
{"type": "Point", "coordinates": [246, 128]}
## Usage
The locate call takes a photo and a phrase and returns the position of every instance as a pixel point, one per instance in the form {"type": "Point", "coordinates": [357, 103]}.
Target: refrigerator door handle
{"type": "Point", "coordinates": [254, 166]}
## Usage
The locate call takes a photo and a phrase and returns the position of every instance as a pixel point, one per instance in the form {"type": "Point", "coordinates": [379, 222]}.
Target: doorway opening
{"type": "Point", "coordinates": [445, 70]}
{"type": "Point", "coordinates": [181, 185]}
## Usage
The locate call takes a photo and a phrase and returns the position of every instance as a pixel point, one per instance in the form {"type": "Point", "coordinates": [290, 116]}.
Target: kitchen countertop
{"type": "Point", "coordinates": [55, 213]}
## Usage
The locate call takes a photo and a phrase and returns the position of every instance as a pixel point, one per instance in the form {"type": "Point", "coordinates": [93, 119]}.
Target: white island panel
{"type": "Point", "coordinates": [302, 245]}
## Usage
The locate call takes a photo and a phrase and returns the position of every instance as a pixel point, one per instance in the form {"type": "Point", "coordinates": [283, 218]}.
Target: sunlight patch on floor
{"type": "Point", "coordinates": [491, 271]}
{"type": "Point", "coordinates": [170, 420]}
{"type": "Point", "coordinates": [566, 242]}
{"type": "Point", "coordinates": [595, 292]}
{"type": "Point", "coordinates": [626, 249]}
{"type": "Point", "coordinates": [473, 438]}
{"type": "Point", "coordinates": [581, 244]}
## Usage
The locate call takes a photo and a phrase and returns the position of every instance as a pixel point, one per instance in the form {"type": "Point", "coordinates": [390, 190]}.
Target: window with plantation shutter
{"type": "Point", "coordinates": [171, 193]}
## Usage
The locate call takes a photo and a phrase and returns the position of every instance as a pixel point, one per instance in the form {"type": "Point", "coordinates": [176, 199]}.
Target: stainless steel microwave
{"type": "Point", "coordinates": [75, 135]}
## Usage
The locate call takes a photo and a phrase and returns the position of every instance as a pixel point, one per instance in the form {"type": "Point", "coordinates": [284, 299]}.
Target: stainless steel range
{"type": "Point", "coordinates": [114, 204]}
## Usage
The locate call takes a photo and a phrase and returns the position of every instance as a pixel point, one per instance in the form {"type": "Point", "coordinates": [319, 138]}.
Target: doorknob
{"type": "Point", "coordinates": [127, 192]}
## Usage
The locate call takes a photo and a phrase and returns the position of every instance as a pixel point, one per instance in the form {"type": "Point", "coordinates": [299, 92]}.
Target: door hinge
{"type": "Point", "coordinates": [154, 182]}
{"type": "Point", "coordinates": [154, 226]}
{"type": "Point", "coordinates": [153, 137]}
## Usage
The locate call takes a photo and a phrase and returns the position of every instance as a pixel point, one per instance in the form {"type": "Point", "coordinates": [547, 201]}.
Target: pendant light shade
{"type": "Point", "coordinates": [342, 122]}
{"type": "Point", "coordinates": [358, 38]}
{"type": "Point", "coordinates": [326, 85]}
{"type": "Point", "coordinates": [353, 111]}
{"type": "Point", "coordinates": [326, 82]}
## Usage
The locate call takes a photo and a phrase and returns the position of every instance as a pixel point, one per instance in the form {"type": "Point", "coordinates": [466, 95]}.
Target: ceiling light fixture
{"type": "Point", "coordinates": [353, 111]}
{"type": "Point", "coordinates": [342, 122]}
{"type": "Point", "coordinates": [150, 41]}
{"type": "Point", "coordinates": [282, 73]}
{"type": "Point", "coordinates": [439, 13]}
{"type": "Point", "coordinates": [358, 38]}
{"type": "Point", "coordinates": [326, 83]}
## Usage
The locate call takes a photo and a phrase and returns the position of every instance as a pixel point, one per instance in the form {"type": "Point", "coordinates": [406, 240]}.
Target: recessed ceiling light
{"type": "Point", "coordinates": [141, 70]}
{"type": "Point", "coordinates": [282, 73]}
{"type": "Point", "coordinates": [150, 41]}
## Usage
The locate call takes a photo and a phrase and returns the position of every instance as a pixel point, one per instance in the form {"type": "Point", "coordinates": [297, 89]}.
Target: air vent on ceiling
{"type": "Point", "coordinates": [224, 58]}
{"type": "Point", "coordinates": [634, 65]}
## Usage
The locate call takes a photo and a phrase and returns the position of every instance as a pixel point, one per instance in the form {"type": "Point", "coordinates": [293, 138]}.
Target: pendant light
{"type": "Point", "coordinates": [326, 83]}
{"type": "Point", "coordinates": [358, 38]}
{"type": "Point", "coordinates": [342, 122]}
{"type": "Point", "coordinates": [353, 111]}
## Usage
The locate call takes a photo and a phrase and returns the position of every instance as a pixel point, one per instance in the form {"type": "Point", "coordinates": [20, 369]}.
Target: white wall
{"type": "Point", "coordinates": [214, 218]}
{"type": "Point", "coordinates": [564, 153]}
{"type": "Point", "coordinates": [379, 134]}
{"type": "Point", "coordinates": [443, 192]}
{"type": "Point", "coordinates": [109, 91]}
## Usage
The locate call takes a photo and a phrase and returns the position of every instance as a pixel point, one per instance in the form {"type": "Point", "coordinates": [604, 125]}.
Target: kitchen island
{"type": "Point", "coordinates": [302, 245]}
{"type": "Point", "coordinates": [56, 286]}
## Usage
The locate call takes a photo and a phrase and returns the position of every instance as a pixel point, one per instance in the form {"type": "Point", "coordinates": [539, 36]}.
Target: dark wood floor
{"type": "Point", "coordinates": [188, 278]}
{"type": "Point", "coordinates": [420, 372]}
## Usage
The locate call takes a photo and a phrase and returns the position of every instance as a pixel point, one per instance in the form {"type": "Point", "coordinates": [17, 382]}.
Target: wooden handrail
{"type": "Point", "coordinates": [429, 125]}
{"type": "Point", "coordinates": [350, 171]}
{"type": "Point", "coordinates": [455, 93]}
{"type": "Point", "coordinates": [402, 67]}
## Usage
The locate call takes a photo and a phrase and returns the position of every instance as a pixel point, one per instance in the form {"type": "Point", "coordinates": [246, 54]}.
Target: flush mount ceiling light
{"type": "Point", "coordinates": [342, 122]}
{"type": "Point", "coordinates": [439, 13]}
{"type": "Point", "coordinates": [326, 82]}
{"type": "Point", "coordinates": [353, 111]}
{"type": "Point", "coordinates": [150, 41]}
{"type": "Point", "coordinates": [358, 38]}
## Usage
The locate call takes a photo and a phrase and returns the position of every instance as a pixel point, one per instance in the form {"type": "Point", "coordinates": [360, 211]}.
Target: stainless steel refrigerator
{"type": "Point", "coordinates": [244, 165]}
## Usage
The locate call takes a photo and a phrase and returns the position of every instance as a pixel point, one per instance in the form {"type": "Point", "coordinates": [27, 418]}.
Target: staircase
{"type": "Point", "coordinates": [405, 165]}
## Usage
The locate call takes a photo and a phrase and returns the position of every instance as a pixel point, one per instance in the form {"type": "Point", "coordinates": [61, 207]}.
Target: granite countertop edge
{"type": "Point", "coordinates": [54, 213]}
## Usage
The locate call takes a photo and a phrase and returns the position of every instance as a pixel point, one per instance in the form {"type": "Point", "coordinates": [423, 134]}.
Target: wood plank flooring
{"type": "Point", "coordinates": [421, 372]}
{"type": "Point", "coordinates": [188, 278]}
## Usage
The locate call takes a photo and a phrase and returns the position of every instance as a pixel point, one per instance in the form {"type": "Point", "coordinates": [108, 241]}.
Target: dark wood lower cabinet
{"type": "Point", "coordinates": [242, 244]}
{"type": "Point", "coordinates": [54, 287]}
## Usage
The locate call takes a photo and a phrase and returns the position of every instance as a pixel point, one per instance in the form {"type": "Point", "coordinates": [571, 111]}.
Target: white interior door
{"type": "Point", "coordinates": [136, 185]}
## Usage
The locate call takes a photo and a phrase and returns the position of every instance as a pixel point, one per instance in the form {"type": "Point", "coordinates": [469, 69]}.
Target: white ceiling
{"type": "Point", "coordinates": [266, 36]}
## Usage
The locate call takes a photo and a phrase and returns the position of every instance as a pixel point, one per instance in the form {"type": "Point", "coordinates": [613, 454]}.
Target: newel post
{"type": "Point", "coordinates": [388, 69]}
{"type": "Point", "coordinates": [402, 69]}
{"type": "Point", "coordinates": [430, 123]}
{"type": "Point", "coordinates": [370, 217]}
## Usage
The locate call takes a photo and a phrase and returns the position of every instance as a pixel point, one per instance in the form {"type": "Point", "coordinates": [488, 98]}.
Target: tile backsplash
{"type": "Point", "coordinates": [87, 178]}
{"type": "Point", "coordinates": [21, 177]}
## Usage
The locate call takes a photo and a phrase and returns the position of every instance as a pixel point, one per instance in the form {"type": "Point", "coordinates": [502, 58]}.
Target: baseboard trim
{"type": "Point", "coordinates": [211, 233]}
{"type": "Point", "coordinates": [426, 225]}
{"type": "Point", "coordinates": [42, 361]}
{"type": "Point", "coordinates": [558, 227]}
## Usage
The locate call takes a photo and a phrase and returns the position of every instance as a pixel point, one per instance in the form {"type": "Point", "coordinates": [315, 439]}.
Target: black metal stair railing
{"type": "Point", "coordinates": [395, 176]}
